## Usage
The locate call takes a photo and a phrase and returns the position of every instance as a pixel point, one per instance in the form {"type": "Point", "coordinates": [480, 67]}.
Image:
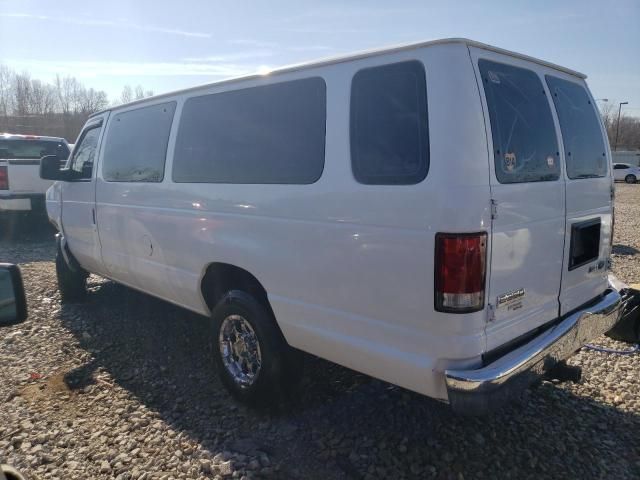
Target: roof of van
{"type": "Point", "coordinates": [356, 56]}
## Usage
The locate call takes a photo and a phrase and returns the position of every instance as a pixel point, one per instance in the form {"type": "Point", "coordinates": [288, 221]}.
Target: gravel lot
{"type": "Point", "coordinates": [120, 387]}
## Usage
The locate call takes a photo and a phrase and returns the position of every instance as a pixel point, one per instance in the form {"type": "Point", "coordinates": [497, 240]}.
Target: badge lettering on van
{"type": "Point", "coordinates": [510, 161]}
{"type": "Point", "coordinates": [510, 297]}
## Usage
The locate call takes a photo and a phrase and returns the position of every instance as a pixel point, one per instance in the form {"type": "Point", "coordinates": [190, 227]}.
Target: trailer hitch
{"type": "Point", "coordinates": [565, 373]}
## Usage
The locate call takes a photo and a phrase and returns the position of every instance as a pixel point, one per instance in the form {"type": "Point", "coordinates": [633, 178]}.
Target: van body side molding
{"type": "Point", "coordinates": [480, 391]}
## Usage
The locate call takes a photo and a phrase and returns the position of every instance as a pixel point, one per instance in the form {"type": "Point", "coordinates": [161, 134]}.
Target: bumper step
{"type": "Point", "coordinates": [483, 390]}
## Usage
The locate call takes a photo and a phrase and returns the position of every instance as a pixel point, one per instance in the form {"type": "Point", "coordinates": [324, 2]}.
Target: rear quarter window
{"type": "Point", "coordinates": [584, 147]}
{"type": "Point", "coordinates": [525, 147]}
{"type": "Point", "coordinates": [389, 129]}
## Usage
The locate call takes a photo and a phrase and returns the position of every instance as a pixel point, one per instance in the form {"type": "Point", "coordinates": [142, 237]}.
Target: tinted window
{"type": "Point", "coordinates": [269, 134]}
{"type": "Point", "coordinates": [136, 144]}
{"type": "Point", "coordinates": [584, 147]}
{"type": "Point", "coordinates": [32, 149]}
{"type": "Point", "coordinates": [389, 130]}
{"type": "Point", "coordinates": [525, 147]}
{"type": "Point", "coordinates": [84, 153]}
{"type": "Point", "coordinates": [620, 166]}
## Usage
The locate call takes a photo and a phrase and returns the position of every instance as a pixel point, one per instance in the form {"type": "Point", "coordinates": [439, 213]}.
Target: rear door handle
{"type": "Point", "coordinates": [93, 215]}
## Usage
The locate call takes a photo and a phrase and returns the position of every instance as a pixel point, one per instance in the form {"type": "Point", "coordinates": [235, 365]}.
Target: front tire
{"type": "Point", "coordinates": [253, 359]}
{"type": "Point", "coordinates": [72, 284]}
{"type": "Point", "coordinates": [630, 179]}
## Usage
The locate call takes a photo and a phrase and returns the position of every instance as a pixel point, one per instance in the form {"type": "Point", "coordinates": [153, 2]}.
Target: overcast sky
{"type": "Point", "coordinates": [169, 45]}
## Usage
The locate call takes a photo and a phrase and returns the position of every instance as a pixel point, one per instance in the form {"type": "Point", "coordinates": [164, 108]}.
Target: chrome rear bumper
{"type": "Point", "coordinates": [476, 392]}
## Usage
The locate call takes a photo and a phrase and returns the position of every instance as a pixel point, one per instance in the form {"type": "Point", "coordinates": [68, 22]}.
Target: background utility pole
{"type": "Point", "coordinates": [615, 145]}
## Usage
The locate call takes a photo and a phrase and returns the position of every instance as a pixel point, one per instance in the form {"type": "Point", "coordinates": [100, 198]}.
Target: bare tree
{"type": "Point", "coordinates": [63, 92]}
{"type": "Point", "coordinates": [42, 98]}
{"type": "Point", "coordinates": [92, 101]}
{"type": "Point", "coordinates": [127, 94]}
{"type": "Point", "coordinates": [139, 92]}
{"type": "Point", "coordinates": [59, 108]}
{"type": "Point", "coordinates": [607, 113]}
{"type": "Point", "coordinates": [6, 94]}
{"type": "Point", "coordinates": [629, 135]}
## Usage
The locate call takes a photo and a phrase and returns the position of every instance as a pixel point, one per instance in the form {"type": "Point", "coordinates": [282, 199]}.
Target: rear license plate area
{"type": "Point", "coordinates": [585, 243]}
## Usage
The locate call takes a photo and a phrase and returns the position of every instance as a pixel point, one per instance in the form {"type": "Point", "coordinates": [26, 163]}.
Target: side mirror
{"type": "Point", "coordinates": [13, 303]}
{"type": "Point", "coordinates": [51, 168]}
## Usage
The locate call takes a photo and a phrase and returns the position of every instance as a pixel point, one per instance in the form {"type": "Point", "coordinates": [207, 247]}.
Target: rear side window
{"type": "Point", "coordinates": [136, 144]}
{"type": "Point", "coordinates": [32, 149]}
{"type": "Point", "coordinates": [389, 129]}
{"type": "Point", "coordinates": [525, 147]}
{"type": "Point", "coordinates": [584, 146]}
{"type": "Point", "coordinates": [268, 134]}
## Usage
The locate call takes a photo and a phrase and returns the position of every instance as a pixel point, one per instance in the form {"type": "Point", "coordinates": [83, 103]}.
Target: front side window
{"type": "Point", "coordinates": [525, 147]}
{"type": "Point", "coordinates": [84, 153]}
{"type": "Point", "coordinates": [389, 129]}
{"type": "Point", "coordinates": [267, 134]}
{"type": "Point", "coordinates": [584, 146]}
{"type": "Point", "coordinates": [136, 144]}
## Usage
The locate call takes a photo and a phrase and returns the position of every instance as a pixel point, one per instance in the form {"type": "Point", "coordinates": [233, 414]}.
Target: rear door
{"type": "Point", "coordinates": [589, 191]}
{"type": "Point", "coordinates": [528, 192]}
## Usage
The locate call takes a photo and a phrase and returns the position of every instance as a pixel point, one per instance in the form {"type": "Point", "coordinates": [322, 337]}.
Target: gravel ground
{"type": "Point", "coordinates": [119, 387]}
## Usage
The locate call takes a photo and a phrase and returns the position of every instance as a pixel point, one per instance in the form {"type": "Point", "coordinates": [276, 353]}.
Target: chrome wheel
{"type": "Point", "coordinates": [240, 350]}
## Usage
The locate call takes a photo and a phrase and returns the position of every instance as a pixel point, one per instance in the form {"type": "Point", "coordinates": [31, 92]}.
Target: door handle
{"type": "Point", "coordinates": [93, 215]}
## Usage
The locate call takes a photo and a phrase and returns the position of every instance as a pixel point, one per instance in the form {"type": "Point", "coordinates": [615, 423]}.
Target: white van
{"type": "Point", "coordinates": [437, 215]}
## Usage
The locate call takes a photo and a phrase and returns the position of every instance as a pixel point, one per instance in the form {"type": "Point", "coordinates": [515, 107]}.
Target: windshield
{"type": "Point", "coordinates": [32, 149]}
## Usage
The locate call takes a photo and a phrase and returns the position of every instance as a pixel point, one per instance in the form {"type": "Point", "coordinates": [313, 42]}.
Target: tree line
{"type": "Point", "coordinates": [58, 109]}
{"type": "Point", "coordinates": [628, 130]}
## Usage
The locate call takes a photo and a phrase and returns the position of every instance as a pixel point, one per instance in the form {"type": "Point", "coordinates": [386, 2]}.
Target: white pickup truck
{"type": "Point", "coordinates": [21, 188]}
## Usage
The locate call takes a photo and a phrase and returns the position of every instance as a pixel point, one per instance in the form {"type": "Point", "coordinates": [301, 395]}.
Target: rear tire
{"type": "Point", "coordinates": [630, 179]}
{"type": "Point", "coordinates": [71, 284]}
{"type": "Point", "coordinates": [253, 359]}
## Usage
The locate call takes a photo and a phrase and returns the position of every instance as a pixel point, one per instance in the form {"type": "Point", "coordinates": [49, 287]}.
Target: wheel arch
{"type": "Point", "coordinates": [219, 278]}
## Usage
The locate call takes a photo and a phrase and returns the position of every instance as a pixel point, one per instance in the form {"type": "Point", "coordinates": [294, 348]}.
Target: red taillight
{"type": "Point", "coordinates": [4, 178]}
{"type": "Point", "coordinates": [460, 266]}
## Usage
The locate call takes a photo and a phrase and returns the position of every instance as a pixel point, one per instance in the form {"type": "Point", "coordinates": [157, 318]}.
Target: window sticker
{"type": "Point", "coordinates": [510, 161]}
{"type": "Point", "coordinates": [551, 161]}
